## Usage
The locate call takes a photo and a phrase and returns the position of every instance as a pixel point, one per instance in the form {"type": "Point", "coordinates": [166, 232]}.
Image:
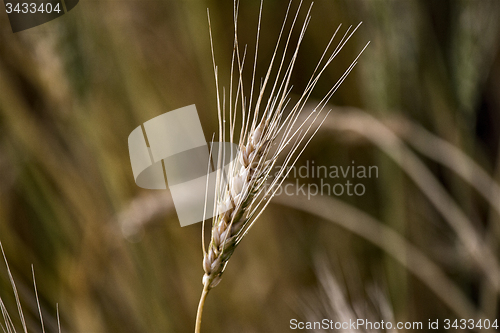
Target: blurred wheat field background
{"type": "Point", "coordinates": [423, 105]}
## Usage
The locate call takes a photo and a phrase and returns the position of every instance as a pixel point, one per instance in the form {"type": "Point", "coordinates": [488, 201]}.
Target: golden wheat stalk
{"type": "Point", "coordinates": [267, 134]}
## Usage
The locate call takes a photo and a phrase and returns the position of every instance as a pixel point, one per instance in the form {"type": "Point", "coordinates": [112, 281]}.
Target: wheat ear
{"type": "Point", "coordinates": [266, 134]}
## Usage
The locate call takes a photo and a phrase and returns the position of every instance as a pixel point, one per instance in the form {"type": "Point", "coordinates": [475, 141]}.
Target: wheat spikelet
{"type": "Point", "coordinates": [267, 134]}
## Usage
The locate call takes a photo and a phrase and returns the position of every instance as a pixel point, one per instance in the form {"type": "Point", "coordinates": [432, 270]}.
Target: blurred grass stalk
{"type": "Point", "coordinates": [337, 302]}
{"type": "Point", "coordinates": [367, 126]}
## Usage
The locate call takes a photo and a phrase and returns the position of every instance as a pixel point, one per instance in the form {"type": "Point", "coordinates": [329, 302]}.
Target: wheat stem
{"type": "Point", "coordinates": [203, 297]}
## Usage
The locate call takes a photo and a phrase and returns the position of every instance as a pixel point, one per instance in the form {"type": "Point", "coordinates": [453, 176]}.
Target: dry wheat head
{"type": "Point", "coordinates": [267, 134]}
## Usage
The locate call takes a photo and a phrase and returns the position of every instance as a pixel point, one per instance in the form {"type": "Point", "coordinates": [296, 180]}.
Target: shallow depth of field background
{"type": "Point", "coordinates": [73, 89]}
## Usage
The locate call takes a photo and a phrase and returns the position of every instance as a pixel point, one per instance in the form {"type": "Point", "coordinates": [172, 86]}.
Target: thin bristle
{"type": "Point", "coordinates": [37, 299]}
{"type": "Point", "coordinates": [8, 326]}
{"type": "Point", "coordinates": [14, 289]}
